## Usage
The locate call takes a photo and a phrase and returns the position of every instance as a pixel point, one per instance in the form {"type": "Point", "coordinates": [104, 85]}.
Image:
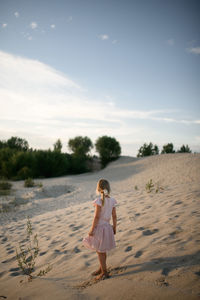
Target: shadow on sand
{"type": "Point", "coordinates": [164, 264]}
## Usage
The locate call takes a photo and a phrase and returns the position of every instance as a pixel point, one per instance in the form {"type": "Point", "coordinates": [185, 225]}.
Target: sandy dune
{"type": "Point", "coordinates": [158, 236]}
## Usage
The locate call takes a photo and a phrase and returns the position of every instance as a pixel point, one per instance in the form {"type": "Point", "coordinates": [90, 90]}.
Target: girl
{"type": "Point", "coordinates": [101, 234]}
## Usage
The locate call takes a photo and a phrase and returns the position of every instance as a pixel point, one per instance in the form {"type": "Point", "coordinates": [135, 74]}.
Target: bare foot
{"type": "Point", "coordinates": [102, 276]}
{"type": "Point", "coordinates": [97, 272]}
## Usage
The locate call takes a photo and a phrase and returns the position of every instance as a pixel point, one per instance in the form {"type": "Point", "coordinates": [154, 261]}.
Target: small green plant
{"type": "Point", "coordinates": [40, 185]}
{"type": "Point", "coordinates": [149, 186]}
{"type": "Point", "coordinates": [5, 188]}
{"type": "Point", "coordinates": [5, 185]}
{"type": "Point", "coordinates": [158, 188]}
{"type": "Point", "coordinates": [29, 182]}
{"type": "Point", "coordinates": [26, 257]}
{"type": "Point", "coordinates": [136, 187]}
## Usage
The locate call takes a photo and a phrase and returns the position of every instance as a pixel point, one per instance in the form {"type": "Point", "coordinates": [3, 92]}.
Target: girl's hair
{"type": "Point", "coordinates": [103, 187]}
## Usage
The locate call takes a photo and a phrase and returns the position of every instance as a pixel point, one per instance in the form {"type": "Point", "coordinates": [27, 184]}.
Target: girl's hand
{"type": "Point", "coordinates": [114, 230]}
{"type": "Point", "coordinates": [90, 232]}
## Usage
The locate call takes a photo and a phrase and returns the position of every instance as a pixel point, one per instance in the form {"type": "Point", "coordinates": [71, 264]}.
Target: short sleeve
{"type": "Point", "coordinates": [97, 201]}
{"type": "Point", "coordinates": [114, 202]}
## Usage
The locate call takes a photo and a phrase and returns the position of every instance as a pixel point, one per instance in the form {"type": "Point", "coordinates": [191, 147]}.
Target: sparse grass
{"type": "Point", "coordinates": [29, 182]}
{"type": "Point", "coordinates": [158, 188]}
{"type": "Point", "coordinates": [5, 188]}
{"type": "Point", "coordinates": [150, 186]}
{"type": "Point", "coordinates": [136, 187]}
{"type": "Point", "coordinates": [40, 185]}
{"type": "Point", "coordinates": [26, 257]}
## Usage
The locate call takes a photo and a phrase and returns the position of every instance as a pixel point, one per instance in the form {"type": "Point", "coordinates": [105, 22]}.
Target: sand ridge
{"type": "Point", "coordinates": [158, 241]}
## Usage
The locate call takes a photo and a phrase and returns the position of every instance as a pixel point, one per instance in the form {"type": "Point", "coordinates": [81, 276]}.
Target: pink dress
{"type": "Point", "coordinates": [103, 238]}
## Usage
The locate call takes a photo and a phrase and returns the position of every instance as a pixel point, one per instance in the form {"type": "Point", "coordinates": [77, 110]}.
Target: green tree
{"type": "Point", "coordinates": [108, 149]}
{"type": "Point", "coordinates": [3, 144]}
{"type": "Point", "coordinates": [57, 146]}
{"type": "Point", "coordinates": [168, 148]}
{"type": "Point", "coordinates": [184, 149]}
{"type": "Point", "coordinates": [80, 146]}
{"type": "Point", "coordinates": [147, 150]}
{"type": "Point", "coordinates": [17, 143]}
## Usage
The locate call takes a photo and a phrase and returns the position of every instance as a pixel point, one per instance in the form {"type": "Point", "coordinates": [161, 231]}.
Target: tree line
{"type": "Point", "coordinates": [150, 149]}
{"type": "Point", "coordinates": [19, 161]}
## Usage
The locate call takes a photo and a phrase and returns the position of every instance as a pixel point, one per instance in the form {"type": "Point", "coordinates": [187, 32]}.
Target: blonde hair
{"type": "Point", "coordinates": [103, 187]}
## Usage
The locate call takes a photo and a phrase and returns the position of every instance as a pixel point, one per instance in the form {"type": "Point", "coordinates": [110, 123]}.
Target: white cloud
{"type": "Point", "coordinates": [33, 25]}
{"type": "Point", "coordinates": [114, 41]}
{"type": "Point", "coordinates": [170, 42]}
{"type": "Point", "coordinates": [42, 104]}
{"type": "Point", "coordinates": [53, 26]}
{"type": "Point", "coordinates": [69, 19]}
{"type": "Point", "coordinates": [103, 37]}
{"type": "Point", "coordinates": [4, 25]}
{"type": "Point", "coordinates": [30, 38]}
{"type": "Point", "coordinates": [195, 50]}
{"type": "Point", "coordinates": [16, 14]}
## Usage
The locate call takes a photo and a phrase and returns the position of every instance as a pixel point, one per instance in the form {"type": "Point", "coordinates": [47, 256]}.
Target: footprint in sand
{"type": "Point", "coordinates": [140, 228]}
{"type": "Point", "coordinates": [10, 251]}
{"type": "Point", "coordinates": [128, 248]}
{"type": "Point", "coordinates": [165, 271]}
{"type": "Point", "coordinates": [138, 253]}
{"type": "Point", "coordinates": [177, 203]}
{"type": "Point", "coordinates": [65, 244]}
{"type": "Point", "coordinates": [3, 240]}
{"type": "Point", "coordinates": [116, 270]}
{"type": "Point", "coordinates": [43, 253]}
{"type": "Point", "coordinates": [57, 251]}
{"type": "Point", "coordinates": [147, 207]}
{"type": "Point", "coordinates": [14, 272]}
{"type": "Point", "coordinates": [111, 271]}
{"type": "Point", "coordinates": [76, 249]}
{"type": "Point", "coordinates": [150, 232]}
{"type": "Point", "coordinates": [54, 242]}
{"type": "Point", "coordinates": [161, 282]}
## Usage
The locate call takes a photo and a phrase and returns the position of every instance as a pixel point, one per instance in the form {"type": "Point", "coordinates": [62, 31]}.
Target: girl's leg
{"type": "Point", "coordinates": [97, 272]}
{"type": "Point", "coordinates": [102, 261]}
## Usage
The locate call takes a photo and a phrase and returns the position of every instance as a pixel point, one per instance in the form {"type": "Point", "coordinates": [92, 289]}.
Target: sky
{"type": "Point", "coordinates": [126, 69]}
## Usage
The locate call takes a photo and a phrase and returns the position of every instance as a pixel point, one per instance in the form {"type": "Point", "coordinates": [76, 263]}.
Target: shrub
{"type": "Point", "coordinates": [5, 188]}
{"type": "Point", "coordinates": [24, 173]}
{"type": "Point", "coordinates": [184, 149]}
{"type": "Point", "coordinates": [168, 148]}
{"type": "Point", "coordinates": [29, 182]}
{"type": "Point", "coordinates": [147, 150]}
{"type": "Point", "coordinates": [5, 185]}
{"type": "Point", "coordinates": [108, 148]}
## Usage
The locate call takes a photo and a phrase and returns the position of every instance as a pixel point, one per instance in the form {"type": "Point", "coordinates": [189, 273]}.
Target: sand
{"type": "Point", "coordinates": [158, 237]}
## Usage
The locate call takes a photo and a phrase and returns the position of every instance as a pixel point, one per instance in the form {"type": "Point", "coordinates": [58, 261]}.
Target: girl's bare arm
{"type": "Point", "coordinates": [114, 218]}
{"type": "Point", "coordinates": [96, 219]}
